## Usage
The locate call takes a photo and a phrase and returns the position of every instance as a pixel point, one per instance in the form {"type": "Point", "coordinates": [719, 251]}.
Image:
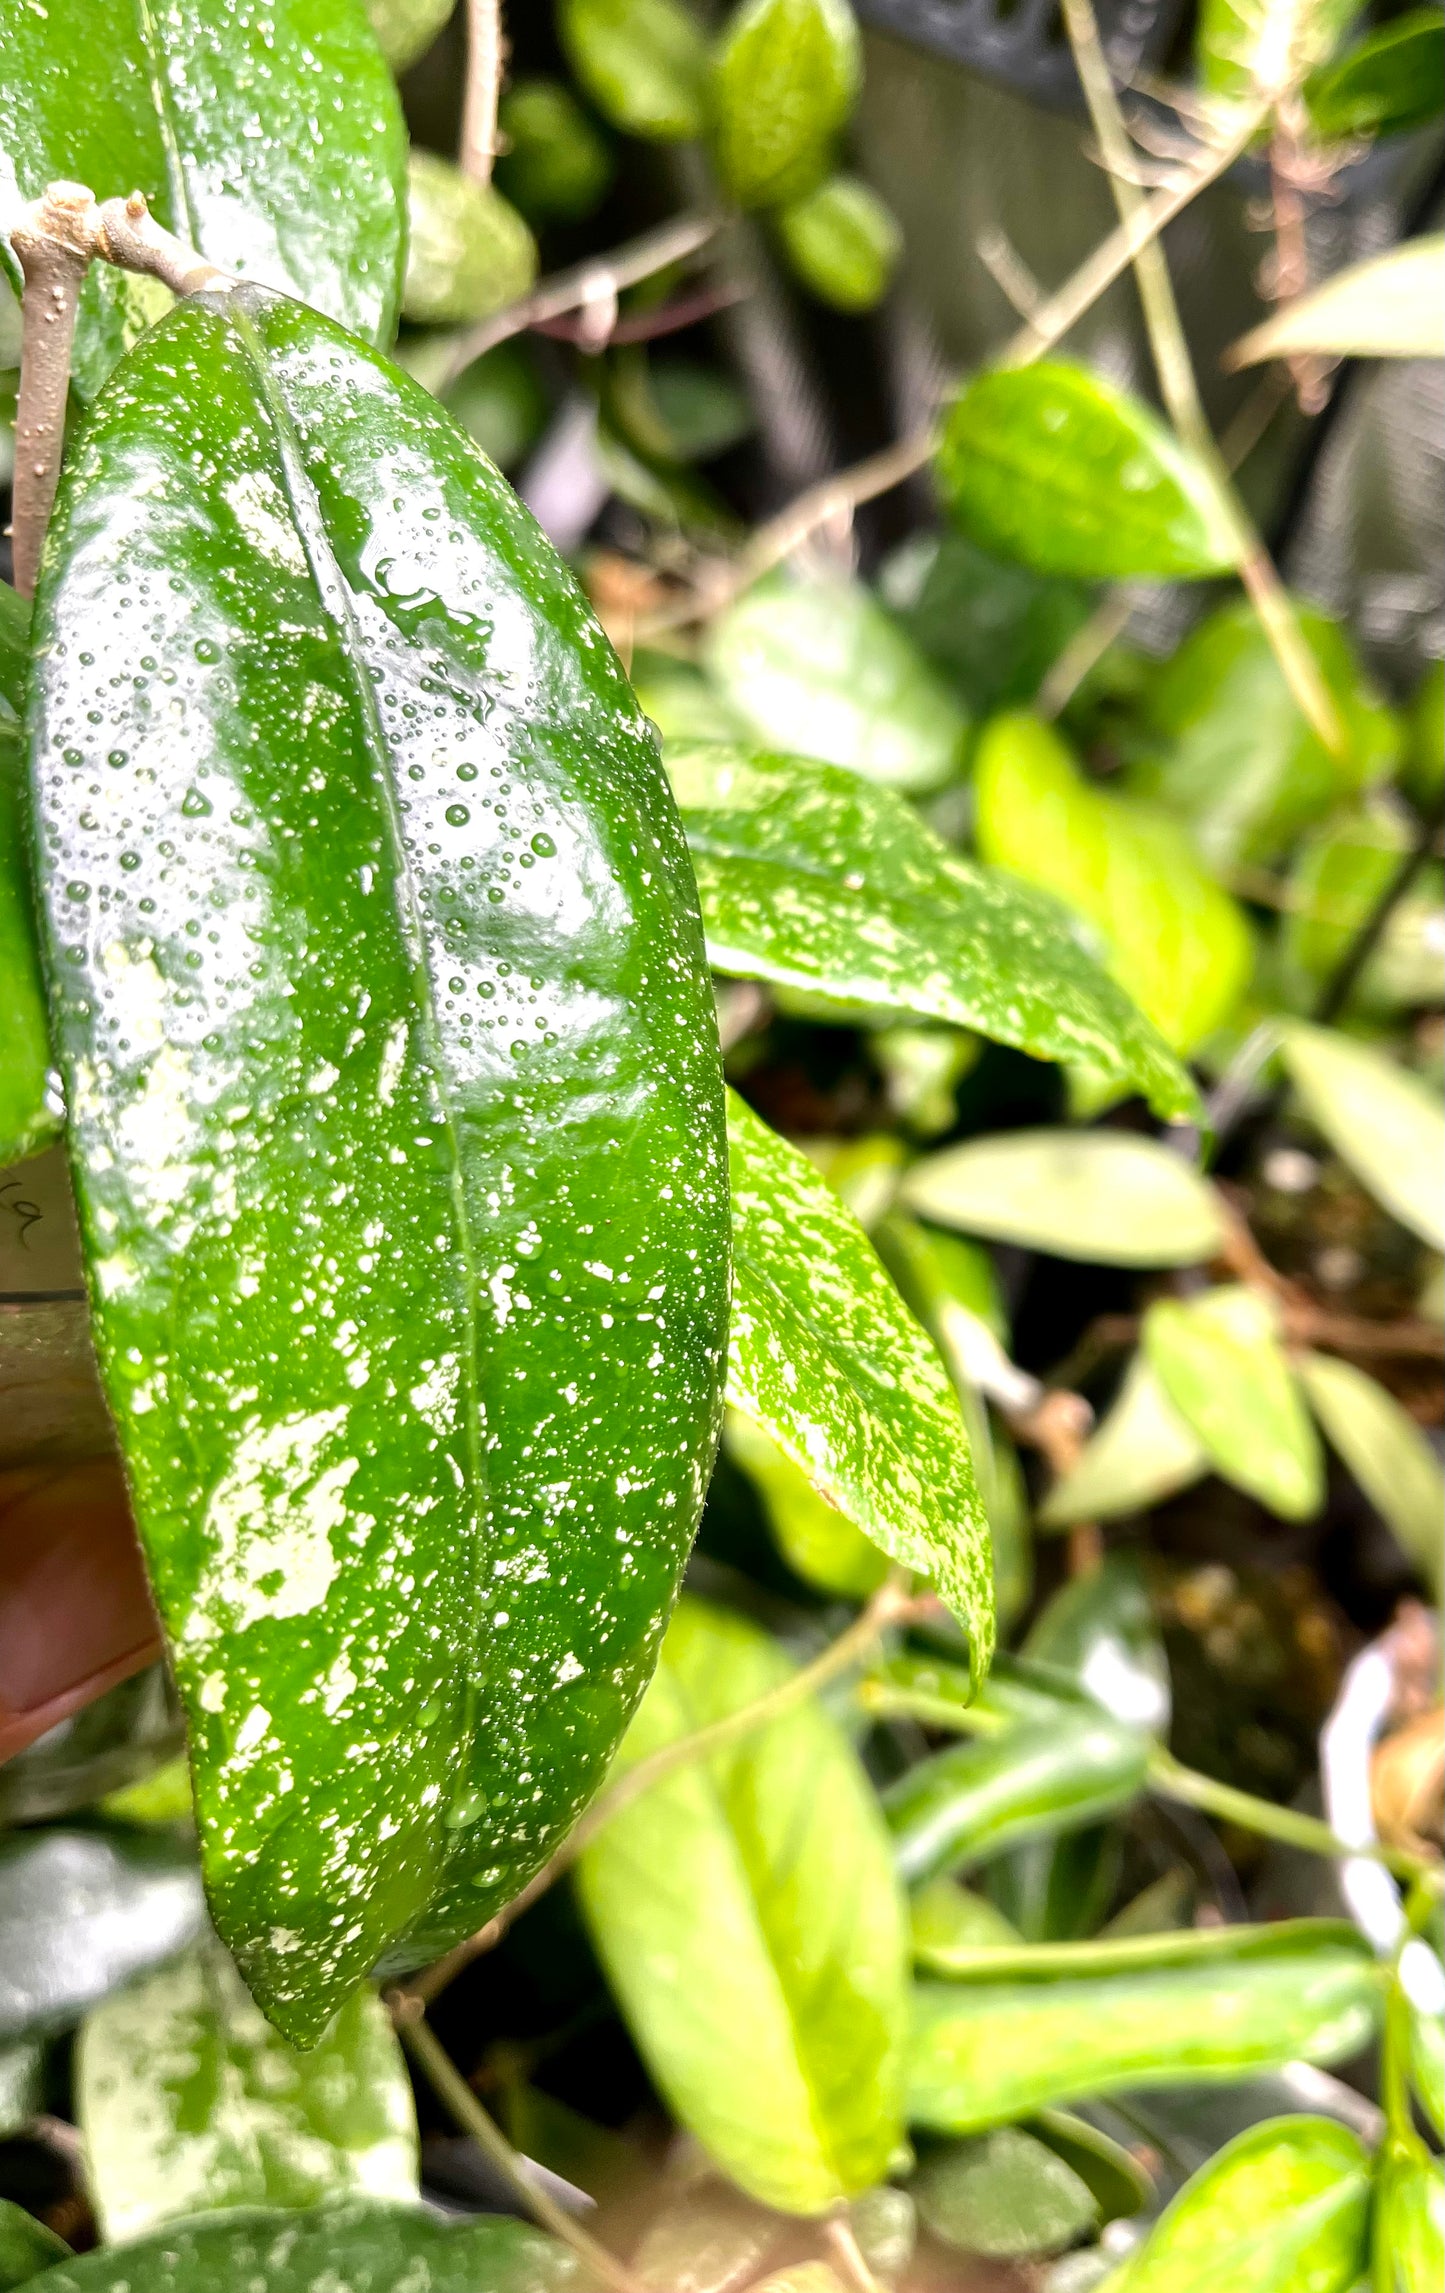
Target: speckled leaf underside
{"type": "Point", "coordinates": [396, 1117]}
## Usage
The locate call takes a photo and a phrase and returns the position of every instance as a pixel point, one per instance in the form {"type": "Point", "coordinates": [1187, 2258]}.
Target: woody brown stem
{"type": "Point", "coordinates": [57, 239]}
{"type": "Point", "coordinates": [477, 148]}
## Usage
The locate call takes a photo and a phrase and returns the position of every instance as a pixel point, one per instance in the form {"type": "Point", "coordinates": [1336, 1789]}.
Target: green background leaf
{"type": "Point", "coordinates": [422, 1302]}
{"type": "Point", "coordinates": [26, 2246]}
{"type": "Point", "coordinates": [1282, 2209]}
{"type": "Point", "coordinates": [746, 1912]}
{"type": "Point", "coordinates": [989, 2050]}
{"type": "Point", "coordinates": [825, 1357]}
{"type": "Point", "coordinates": [1175, 942]}
{"type": "Point", "coordinates": [1389, 307]}
{"type": "Point", "coordinates": [842, 242]}
{"type": "Point", "coordinates": [1223, 745]}
{"type": "Point", "coordinates": [189, 2102]}
{"type": "Point", "coordinates": [1389, 1454]}
{"type": "Point", "coordinates": [1006, 2195]}
{"type": "Point", "coordinates": [272, 141]}
{"type": "Point", "coordinates": [643, 63]}
{"type": "Point", "coordinates": [1394, 80]}
{"type": "Point", "coordinates": [370, 2248]}
{"type": "Point", "coordinates": [817, 668]}
{"type": "Point", "coordinates": [1052, 465]}
{"type": "Point", "coordinates": [813, 879]}
{"type": "Point", "coordinates": [784, 79]}
{"type": "Point", "coordinates": [976, 1799]}
{"type": "Point", "coordinates": [1110, 1198]}
{"type": "Point", "coordinates": [1220, 1362]}
{"type": "Point", "coordinates": [1386, 1124]}
{"type": "Point", "coordinates": [468, 251]}
{"type": "Point", "coordinates": [1141, 1453]}
{"type": "Point", "coordinates": [82, 1912]}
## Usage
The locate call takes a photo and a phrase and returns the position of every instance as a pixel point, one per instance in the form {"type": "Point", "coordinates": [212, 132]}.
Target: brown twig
{"type": "Point", "coordinates": [599, 277]}
{"type": "Point", "coordinates": [486, 53]}
{"type": "Point", "coordinates": [452, 2090]}
{"type": "Point", "coordinates": [891, 1604]}
{"type": "Point", "coordinates": [55, 243]}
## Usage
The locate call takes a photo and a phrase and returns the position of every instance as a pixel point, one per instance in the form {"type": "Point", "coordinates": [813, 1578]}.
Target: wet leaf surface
{"type": "Point", "coordinates": [396, 1124]}
{"type": "Point", "coordinates": [270, 138]}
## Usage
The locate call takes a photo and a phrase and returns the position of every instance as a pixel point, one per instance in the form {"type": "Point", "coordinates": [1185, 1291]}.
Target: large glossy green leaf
{"type": "Point", "coordinates": [826, 1358]}
{"type": "Point", "coordinates": [1220, 1362]}
{"type": "Point", "coordinates": [1223, 744]}
{"type": "Point", "coordinates": [1386, 1450]}
{"type": "Point", "coordinates": [817, 668]}
{"type": "Point", "coordinates": [1283, 2208]}
{"type": "Point", "coordinates": [1394, 80]}
{"type": "Point", "coordinates": [270, 138]}
{"type": "Point", "coordinates": [1054, 466]}
{"type": "Point", "coordinates": [468, 251]}
{"type": "Point", "coordinates": [1247, 48]}
{"type": "Point", "coordinates": [1386, 1124]}
{"type": "Point", "coordinates": [1110, 1198]}
{"type": "Point", "coordinates": [989, 2049]}
{"type": "Point", "coordinates": [973, 1800]}
{"type": "Point", "coordinates": [189, 2101]}
{"type": "Point", "coordinates": [26, 2246]}
{"type": "Point", "coordinates": [643, 63]}
{"type": "Point", "coordinates": [1142, 1453]}
{"type": "Point", "coordinates": [812, 878]}
{"type": "Point", "coordinates": [751, 1926]}
{"type": "Point", "coordinates": [785, 77]}
{"type": "Point", "coordinates": [1004, 2195]}
{"type": "Point", "coordinates": [1171, 937]}
{"type": "Point", "coordinates": [354, 2247]}
{"type": "Point", "coordinates": [1392, 306]}
{"type": "Point", "coordinates": [82, 1912]}
{"type": "Point", "coordinates": [396, 1121]}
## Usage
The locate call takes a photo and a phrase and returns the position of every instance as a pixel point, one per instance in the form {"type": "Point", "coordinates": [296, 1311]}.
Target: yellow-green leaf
{"type": "Point", "coordinates": [1386, 1124]}
{"type": "Point", "coordinates": [1054, 466]}
{"type": "Point", "coordinates": [1220, 1362]}
{"type": "Point", "coordinates": [748, 1916]}
{"type": "Point", "coordinates": [1172, 938]}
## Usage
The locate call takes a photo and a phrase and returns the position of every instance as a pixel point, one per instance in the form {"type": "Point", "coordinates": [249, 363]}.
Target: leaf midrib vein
{"type": "Point", "coordinates": [330, 582]}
